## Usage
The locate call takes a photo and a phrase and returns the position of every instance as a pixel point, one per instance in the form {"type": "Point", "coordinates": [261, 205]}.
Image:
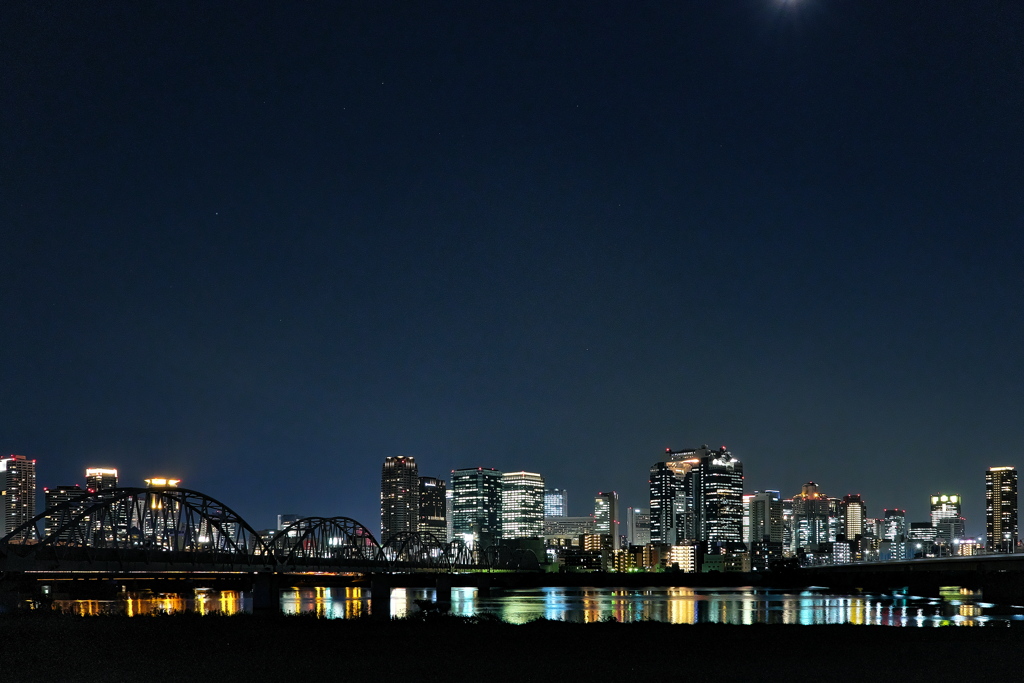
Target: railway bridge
{"type": "Point", "coordinates": [170, 533]}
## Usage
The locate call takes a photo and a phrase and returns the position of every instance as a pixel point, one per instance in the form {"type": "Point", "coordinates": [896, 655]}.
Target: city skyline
{"type": "Point", "coordinates": [542, 238]}
{"type": "Point", "coordinates": [945, 510]}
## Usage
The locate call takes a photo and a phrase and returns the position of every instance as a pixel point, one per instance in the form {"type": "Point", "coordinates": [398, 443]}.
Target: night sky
{"type": "Point", "coordinates": [262, 246]}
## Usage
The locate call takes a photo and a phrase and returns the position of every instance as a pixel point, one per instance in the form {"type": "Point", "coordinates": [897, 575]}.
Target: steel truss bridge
{"type": "Point", "coordinates": [123, 531]}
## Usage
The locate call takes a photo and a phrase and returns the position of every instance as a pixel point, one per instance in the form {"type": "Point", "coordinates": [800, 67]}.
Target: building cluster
{"type": "Point", "coordinates": [699, 519]}
{"type": "Point", "coordinates": [699, 516]}
{"type": "Point", "coordinates": [18, 491]}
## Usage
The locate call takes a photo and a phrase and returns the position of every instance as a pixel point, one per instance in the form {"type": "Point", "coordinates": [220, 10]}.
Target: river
{"type": "Point", "coordinates": [956, 606]}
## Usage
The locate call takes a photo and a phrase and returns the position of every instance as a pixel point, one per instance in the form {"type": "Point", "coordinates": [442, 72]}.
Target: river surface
{"type": "Point", "coordinates": [956, 607]}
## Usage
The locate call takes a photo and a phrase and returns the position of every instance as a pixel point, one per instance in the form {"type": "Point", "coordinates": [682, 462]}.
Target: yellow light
{"type": "Point", "coordinates": [161, 482]}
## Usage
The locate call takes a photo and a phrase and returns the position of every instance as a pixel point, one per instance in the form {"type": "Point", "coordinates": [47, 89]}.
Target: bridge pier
{"type": "Point", "coordinates": [483, 585]}
{"type": "Point", "coordinates": [443, 594]}
{"type": "Point", "coordinates": [266, 597]}
{"type": "Point", "coordinates": [380, 597]}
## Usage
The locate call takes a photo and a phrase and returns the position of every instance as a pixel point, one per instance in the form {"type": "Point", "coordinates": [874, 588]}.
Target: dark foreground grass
{"type": "Point", "coordinates": [56, 647]}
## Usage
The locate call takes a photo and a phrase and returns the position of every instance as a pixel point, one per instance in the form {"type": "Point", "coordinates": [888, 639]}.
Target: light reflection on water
{"type": "Point", "coordinates": [674, 605]}
{"type": "Point", "coordinates": [726, 606]}
{"type": "Point", "coordinates": [200, 601]}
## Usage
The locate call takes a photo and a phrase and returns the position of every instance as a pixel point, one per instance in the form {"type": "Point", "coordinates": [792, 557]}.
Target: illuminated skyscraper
{"type": "Point", "coordinates": [399, 497]}
{"type": "Point", "coordinates": [810, 517]}
{"type": "Point", "coordinates": [638, 526]}
{"type": "Point", "coordinates": [765, 518]}
{"type": "Point", "coordinates": [476, 506]}
{"type": "Point", "coordinates": [54, 497]}
{"type": "Point", "coordinates": [448, 513]}
{"type": "Point", "coordinates": [764, 528]}
{"type": "Point", "coordinates": [1001, 509]}
{"type": "Point", "coordinates": [788, 526]}
{"type": "Point", "coordinates": [853, 512]}
{"type": "Point", "coordinates": [97, 478]}
{"type": "Point", "coordinates": [718, 498]}
{"type": "Point", "coordinates": [556, 503]}
{"type": "Point", "coordinates": [522, 505]}
{"type": "Point", "coordinates": [947, 518]}
{"type": "Point", "coordinates": [433, 508]}
{"type": "Point", "coordinates": [606, 516]}
{"type": "Point", "coordinates": [17, 492]}
{"type": "Point", "coordinates": [895, 525]}
{"type": "Point", "coordinates": [945, 506]}
{"type": "Point", "coordinates": [161, 527]}
{"type": "Point", "coordinates": [747, 497]}
{"type": "Point", "coordinates": [671, 485]}
{"type": "Point", "coordinates": [894, 535]}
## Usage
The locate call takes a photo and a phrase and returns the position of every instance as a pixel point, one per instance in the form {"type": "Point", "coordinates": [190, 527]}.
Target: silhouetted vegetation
{"type": "Point", "coordinates": [49, 646]}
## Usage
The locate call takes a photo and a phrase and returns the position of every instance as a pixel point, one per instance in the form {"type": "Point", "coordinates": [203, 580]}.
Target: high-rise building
{"type": "Point", "coordinates": [54, 497]}
{"type": "Point", "coordinates": [433, 503]}
{"type": "Point", "coordinates": [765, 517]}
{"type": "Point", "coordinates": [810, 517]}
{"type": "Point", "coordinates": [476, 506]}
{"type": "Point", "coordinates": [399, 497]}
{"type": "Point", "coordinates": [895, 525]}
{"type": "Point", "coordinates": [747, 516]}
{"type": "Point", "coordinates": [568, 528]}
{"type": "Point", "coordinates": [606, 516]}
{"type": "Point", "coordinates": [718, 498]}
{"type": "Point", "coordinates": [522, 505]}
{"type": "Point", "coordinates": [788, 526]}
{"type": "Point", "coordinates": [835, 519]}
{"type": "Point", "coordinates": [921, 540]}
{"type": "Point", "coordinates": [853, 512]}
{"type": "Point", "coordinates": [638, 526]}
{"type": "Point", "coordinates": [894, 535]}
{"type": "Point", "coordinates": [98, 478]}
{"type": "Point", "coordinates": [697, 495]}
{"type": "Point", "coordinates": [873, 527]}
{"type": "Point", "coordinates": [160, 528]}
{"type": "Point", "coordinates": [448, 513]}
{"type": "Point", "coordinates": [1001, 509]}
{"type": "Point", "coordinates": [287, 519]}
{"type": "Point", "coordinates": [17, 492]}
{"type": "Point", "coordinates": [947, 518]}
{"type": "Point", "coordinates": [556, 503]}
{"type": "Point", "coordinates": [671, 485]}
{"type": "Point", "coordinates": [945, 506]}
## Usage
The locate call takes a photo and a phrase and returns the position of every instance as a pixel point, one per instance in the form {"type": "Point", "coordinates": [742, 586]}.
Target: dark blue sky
{"type": "Point", "coordinates": [262, 247]}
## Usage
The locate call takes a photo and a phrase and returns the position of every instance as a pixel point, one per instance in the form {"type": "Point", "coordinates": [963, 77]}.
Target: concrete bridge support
{"type": "Point", "coordinates": [266, 594]}
{"type": "Point", "coordinates": [443, 594]}
{"type": "Point", "coordinates": [380, 597]}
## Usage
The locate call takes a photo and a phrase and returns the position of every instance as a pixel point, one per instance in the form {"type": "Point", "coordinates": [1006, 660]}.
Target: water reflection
{"type": "Point", "coordinates": [726, 606]}
{"type": "Point", "coordinates": [674, 605]}
{"type": "Point", "coordinates": [145, 602]}
{"type": "Point", "coordinates": [336, 603]}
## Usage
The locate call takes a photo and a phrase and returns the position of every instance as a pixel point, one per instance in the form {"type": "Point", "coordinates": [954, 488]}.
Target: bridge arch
{"type": "Point", "coordinates": [318, 542]}
{"type": "Point", "coordinates": [416, 550]}
{"type": "Point", "coordinates": [459, 555]}
{"type": "Point", "coordinates": [154, 520]}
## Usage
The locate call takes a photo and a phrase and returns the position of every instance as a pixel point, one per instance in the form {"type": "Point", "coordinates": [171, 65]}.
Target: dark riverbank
{"type": "Point", "coordinates": [55, 647]}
